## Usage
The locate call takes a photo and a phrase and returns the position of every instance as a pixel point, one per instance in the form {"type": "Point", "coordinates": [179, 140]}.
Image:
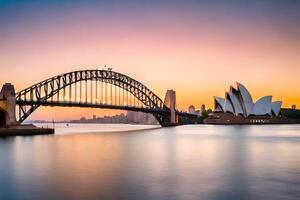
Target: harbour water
{"type": "Point", "coordinates": [114, 161]}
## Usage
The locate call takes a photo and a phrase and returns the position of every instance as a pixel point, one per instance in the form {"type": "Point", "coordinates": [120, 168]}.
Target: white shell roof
{"type": "Point", "coordinates": [228, 106]}
{"type": "Point", "coordinates": [276, 107]}
{"type": "Point", "coordinates": [263, 106]}
{"type": "Point", "coordinates": [240, 102]}
{"type": "Point", "coordinates": [236, 104]}
{"type": "Point", "coordinates": [220, 101]}
{"type": "Point", "coordinates": [218, 109]}
{"type": "Point", "coordinates": [247, 100]}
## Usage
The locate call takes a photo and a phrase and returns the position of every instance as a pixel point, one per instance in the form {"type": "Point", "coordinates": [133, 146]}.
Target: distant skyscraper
{"type": "Point", "coordinates": [94, 117]}
{"type": "Point", "coordinates": [293, 107]}
{"type": "Point", "coordinates": [202, 108]}
{"type": "Point", "coordinates": [191, 109]}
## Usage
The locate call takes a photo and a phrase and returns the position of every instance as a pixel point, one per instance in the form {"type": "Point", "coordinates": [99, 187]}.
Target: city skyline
{"type": "Point", "coordinates": [195, 48]}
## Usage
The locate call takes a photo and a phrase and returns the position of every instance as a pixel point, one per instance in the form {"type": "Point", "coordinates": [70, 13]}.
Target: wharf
{"type": "Point", "coordinates": [25, 130]}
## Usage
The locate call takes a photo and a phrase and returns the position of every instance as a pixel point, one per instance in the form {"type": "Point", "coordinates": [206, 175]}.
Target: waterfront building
{"type": "Point", "coordinates": [294, 107]}
{"type": "Point", "coordinates": [197, 112]}
{"type": "Point", "coordinates": [238, 107]}
{"type": "Point", "coordinates": [82, 119]}
{"type": "Point", "coordinates": [141, 118]}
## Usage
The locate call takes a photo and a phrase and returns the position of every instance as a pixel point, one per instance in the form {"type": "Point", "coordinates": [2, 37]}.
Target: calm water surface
{"type": "Point", "coordinates": [85, 161]}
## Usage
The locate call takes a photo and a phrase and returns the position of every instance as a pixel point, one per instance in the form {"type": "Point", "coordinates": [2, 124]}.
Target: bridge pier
{"type": "Point", "coordinates": [7, 106]}
{"type": "Point", "coordinates": [170, 103]}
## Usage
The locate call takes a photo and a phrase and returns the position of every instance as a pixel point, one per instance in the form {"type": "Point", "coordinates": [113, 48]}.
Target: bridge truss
{"type": "Point", "coordinates": [91, 88]}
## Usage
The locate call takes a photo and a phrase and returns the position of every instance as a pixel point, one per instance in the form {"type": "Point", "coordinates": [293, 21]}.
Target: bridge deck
{"type": "Point", "coordinates": [90, 105]}
{"type": "Point", "coordinates": [100, 105]}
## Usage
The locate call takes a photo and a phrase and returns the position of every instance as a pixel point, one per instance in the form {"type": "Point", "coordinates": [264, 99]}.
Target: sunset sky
{"type": "Point", "coordinates": [198, 48]}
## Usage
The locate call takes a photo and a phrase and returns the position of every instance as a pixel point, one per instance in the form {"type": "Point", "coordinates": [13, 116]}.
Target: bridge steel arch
{"type": "Point", "coordinates": [41, 94]}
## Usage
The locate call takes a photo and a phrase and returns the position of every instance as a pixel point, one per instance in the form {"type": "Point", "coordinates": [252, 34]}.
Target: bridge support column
{"type": "Point", "coordinates": [7, 106]}
{"type": "Point", "coordinates": [170, 102]}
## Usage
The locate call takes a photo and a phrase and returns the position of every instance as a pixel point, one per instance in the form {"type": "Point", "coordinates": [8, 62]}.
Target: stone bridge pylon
{"type": "Point", "coordinates": [170, 103]}
{"type": "Point", "coordinates": [8, 106]}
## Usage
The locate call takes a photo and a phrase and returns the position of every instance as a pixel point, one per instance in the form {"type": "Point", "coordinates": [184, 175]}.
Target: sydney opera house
{"type": "Point", "coordinates": [238, 108]}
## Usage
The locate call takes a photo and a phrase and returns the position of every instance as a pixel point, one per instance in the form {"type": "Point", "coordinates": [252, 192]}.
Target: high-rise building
{"type": "Point", "coordinates": [191, 109]}
{"type": "Point", "coordinates": [202, 108]}
{"type": "Point", "coordinates": [294, 107]}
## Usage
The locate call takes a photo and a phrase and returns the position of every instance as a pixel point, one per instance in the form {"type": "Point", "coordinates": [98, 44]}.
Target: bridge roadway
{"type": "Point", "coordinates": [103, 106]}
{"type": "Point", "coordinates": [91, 105]}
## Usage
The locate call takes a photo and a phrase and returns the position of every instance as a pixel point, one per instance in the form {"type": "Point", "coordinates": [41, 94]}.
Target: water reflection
{"type": "Point", "coordinates": [189, 162]}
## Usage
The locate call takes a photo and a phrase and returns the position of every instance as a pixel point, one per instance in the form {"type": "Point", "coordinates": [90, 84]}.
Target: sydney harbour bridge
{"type": "Point", "coordinates": [91, 89]}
